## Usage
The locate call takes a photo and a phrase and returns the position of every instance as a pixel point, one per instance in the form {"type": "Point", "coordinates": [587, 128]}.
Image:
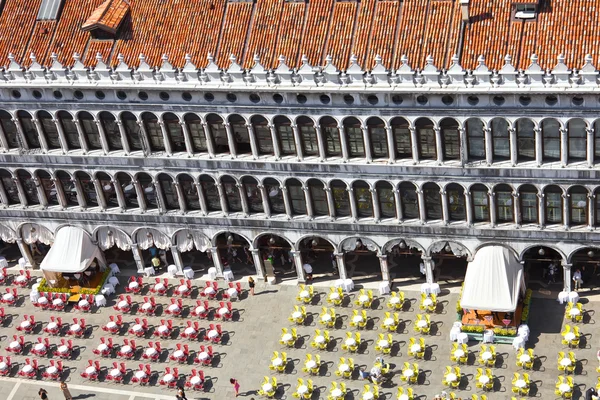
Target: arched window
{"type": "Point", "coordinates": [232, 193]}
{"type": "Point", "coordinates": [480, 201]}
{"type": "Point", "coordinates": [275, 196]}
{"type": "Point", "coordinates": [169, 192]}
{"type": "Point", "coordinates": [385, 197]}
{"type": "Point", "coordinates": [528, 196]}
{"type": "Point", "coordinates": [525, 140]}
{"type": "Point", "coordinates": [240, 134]}
{"type": "Point", "coordinates": [363, 198]}
{"type": "Point", "coordinates": [554, 204]}
{"type": "Point", "coordinates": [285, 135]}
{"type": "Point", "coordinates": [10, 187]}
{"type": "Point", "coordinates": [48, 187]}
{"type": "Point", "coordinates": [500, 139]}
{"type": "Point", "coordinates": [426, 139]}
{"type": "Point", "coordinates": [354, 137]}
{"type": "Point", "coordinates": [108, 190]}
{"type": "Point", "coordinates": [331, 137]}
{"type": "Point", "coordinates": [318, 196]}
{"type": "Point", "coordinates": [504, 203]}
{"type": "Point", "coordinates": [132, 131]}
{"type": "Point", "coordinates": [578, 205]}
{"type": "Point", "coordinates": [456, 202]}
{"type": "Point", "coordinates": [111, 130]}
{"type": "Point", "coordinates": [577, 139]}
{"type": "Point", "coordinates": [148, 191]}
{"type": "Point", "coordinates": [433, 201]}
{"type": "Point", "coordinates": [49, 130]}
{"type": "Point", "coordinates": [308, 136]}
{"type": "Point", "coordinates": [67, 184]}
{"type": "Point", "coordinates": [298, 201]}
{"type": "Point", "coordinates": [128, 188]}
{"type": "Point", "coordinates": [90, 130]}
{"type": "Point", "coordinates": [88, 189]}
{"type": "Point", "coordinates": [378, 137]}
{"type": "Point", "coordinates": [341, 200]}
{"type": "Point", "coordinates": [218, 133]}
{"type": "Point", "coordinates": [190, 193]}
{"type": "Point", "coordinates": [211, 193]}
{"type": "Point", "coordinates": [197, 135]}
{"type": "Point", "coordinates": [253, 194]}
{"type": "Point", "coordinates": [10, 130]}
{"type": "Point", "coordinates": [70, 129]}
{"type": "Point", "coordinates": [174, 132]}
{"type": "Point", "coordinates": [475, 139]}
{"type": "Point", "coordinates": [155, 136]}
{"type": "Point", "coordinates": [450, 139]}
{"type": "Point", "coordinates": [597, 207]}
{"type": "Point", "coordinates": [29, 130]}
{"type": "Point", "coordinates": [551, 140]}
{"type": "Point", "coordinates": [263, 135]}
{"type": "Point", "coordinates": [29, 187]}
{"type": "Point", "coordinates": [409, 200]}
{"type": "Point", "coordinates": [402, 138]}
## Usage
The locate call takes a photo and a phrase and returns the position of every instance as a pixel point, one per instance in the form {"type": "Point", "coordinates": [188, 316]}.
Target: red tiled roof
{"type": "Point", "coordinates": [270, 28]}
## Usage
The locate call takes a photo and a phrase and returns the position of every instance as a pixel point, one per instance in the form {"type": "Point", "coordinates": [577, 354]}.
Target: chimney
{"type": "Point", "coordinates": [464, 10]}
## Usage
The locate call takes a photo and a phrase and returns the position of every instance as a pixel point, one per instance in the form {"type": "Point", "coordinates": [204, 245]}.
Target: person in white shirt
{"type": "Point", "coordinates": [308, 271]}
{"type": "Point", "coordinates": [577, 279]}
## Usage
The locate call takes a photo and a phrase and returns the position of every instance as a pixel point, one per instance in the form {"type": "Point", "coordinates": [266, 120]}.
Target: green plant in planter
{"type": "Point", "coordinates": [473, 328]}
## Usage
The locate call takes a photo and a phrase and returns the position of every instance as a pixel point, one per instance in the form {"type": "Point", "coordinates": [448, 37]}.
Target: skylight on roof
{"type": "Point", "coordinates": [49, 9]}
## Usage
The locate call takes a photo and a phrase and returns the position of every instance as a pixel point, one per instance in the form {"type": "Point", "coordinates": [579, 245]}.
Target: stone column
{"type": "Point", "coordinates": [253, 144]}
{"type": "Point", "coordinates": [308, 199]}
{"type": "Point", "coordinates": [177, 259]}
{"type": "Point", "coordinates": [61, 136]}
{"type": "Point", "coordinates": [265, 200]}
{"type": "Point", "coordinates": [120, 195]}
{"type": "Point", "coordinates": [80, 196]}
{"type": "Point", "coordinates": [330, 203]}
{"type": "Point", "coordinates": [82, 139]}
{"type": "Point", "coordinates": [567, 277]}
{"type": "Point", "coordinates": [398, 204]}
{"type": "Point", "coordinates": [298, 263]}
{"type": "Point", "coordinates": [144, 141]}
{"type": "Point", "coordinates": [421, 198]}
{"type": "Point", "coordinates": [439, 148]}
{"type": "Point", "coordinates": [469, 209]}
{"type": "Point", "coordinates": [21, 191]}
{"type": "Point", "coordinates": [565, 208]}
{"type": "Point", "coordinates": [429, 267]}
{"type": "Point", "coordinates": [564, 147]}
{"type": "Point", "coordinates": [222, 199]}
{"type": "Point", "coordinates": [202, 199]}
{"type": "Point", "coordinates": [352, 201]}
{"type": "Point", "coordinates": [492, 205]}
{"type": "Point", "coordinates": [99, 194]}
{"type": "Point", "coordinates": [166, 139]}
{"type": "Point", "coordinates": [20, 133]}
{"type": "Point", "coordinates": [513, 146]}
{"type": "Point", "coordinates": [489, 146]}
{"type": "Point", "coordinates": [367, 143]}
{"type": "Point", "coordinates": [4, 196]}
{"type": "Point", "coordinates": [539, 153]}
{"type": "Point", "coordinates": [40, 192]}
{"type": "Point", "coordinates": [590, 147]}
{"type": "Point", "coordinates": [389, 135]}
{"type": "Point", "coordinates": [321, 143]}
{"type": "Point", "coordinates": [102, 135]}
{"type": "Point", "coordinates": [341, 265]}
{"type": "Point", "coordinates": [517, 208]}
{"type": "Point", "coordinates": [3, 140]}
{"type": "Point", "coordinates": [137, 257]}
{"type": "Point", "coordinates": [464, 156]}
{"type": "Point", "coordinates": [376, 210]}
{"type": "Point", "coordinates": [542, 210]}
{"type": "Point", "coordinates": [591, 211]}
{"type": "Point", "coordinates": [414, 144]}
{"type": "Point", "coordinates": [258, 264]}
{"type": "Point", "coordinates": [230, 140]}
{"type": "Point", "coordinates": [383, 263]}
{"type": "Point", "coordinates": [275, 139]}
{"type": "Point", "coordinates": [62, 198]}
{"type": "Point", "coordinates": [124, 140]}
{"type": "Point", "coordinates": [210, 146]}
{"type": "Point", "coordinates": [216, 257]}
{"type": "Point", "coordinates": [298, 143]}
{"type": "Point", "coordinates": [180, 198]}
{"type": "Point", "coordinates": [445, 210]}
{"type": "Point", "coordinates": [186, 138]}
{"type": "Point", "coordinates": [343, 143]}
{"type": "Point", "coordinates": [243, 199]}
{"type": "Point", "coordinates": [160, 198]}
{"type": "Point", "coordinates": [26, 253]}
{"type": "Point", "coordinates": [286, 202]}
{"type": "Point", "coordinates": [140, 195]}
{"type": "Point", "coordinates": [42, 137]}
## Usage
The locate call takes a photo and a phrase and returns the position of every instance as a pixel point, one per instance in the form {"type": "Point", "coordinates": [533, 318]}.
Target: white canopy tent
{"type": "Point", "coordinates": [493, 281]}
{"type": "Point", "coordinates": [72, 252]}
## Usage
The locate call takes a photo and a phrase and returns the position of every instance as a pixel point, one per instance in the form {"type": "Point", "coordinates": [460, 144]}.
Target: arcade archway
{"type": "Point", "coordinates": [543, 267]}
{"type": "Point", "coordinates": [319, 253]}
{"type": "Point", "coordinates": [234, 253]}
{"type": "Point", "coordinates": [194, 248]}
{"type": "Point", "coordinates": [404, 261]}
{"type": "Point", "coordinates": [116, 246]}
{"type": "Point", "coordinates": [450, 261]}
{"type": "Point", "coordinates": [275, 254]}
{"type": "Point", "coordinates": [360, 259]}
{"type": "Point", "coordinates": [587, 261]}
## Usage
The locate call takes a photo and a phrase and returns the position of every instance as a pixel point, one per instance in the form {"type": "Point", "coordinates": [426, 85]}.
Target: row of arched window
{"type": "Point", "coordinates": [527, 204]}
{"type": "Point", "coordinates": [423, 139]}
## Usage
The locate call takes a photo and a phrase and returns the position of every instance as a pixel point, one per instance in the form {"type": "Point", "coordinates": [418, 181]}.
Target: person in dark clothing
{"type": "Point", "coordinates": [43, 394]}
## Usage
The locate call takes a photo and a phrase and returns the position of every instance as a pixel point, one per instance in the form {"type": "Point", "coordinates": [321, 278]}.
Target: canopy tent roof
{"type": "Point", "coordinates": [493, 281]}
{"type": "Point", "coordinates": [72, 252]}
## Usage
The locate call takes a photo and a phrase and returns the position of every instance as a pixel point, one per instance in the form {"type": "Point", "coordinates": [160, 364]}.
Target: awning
{"type": "Point", "coordinates": [493, 281]}
{"type": "Point", "coordinates": [72, 252]}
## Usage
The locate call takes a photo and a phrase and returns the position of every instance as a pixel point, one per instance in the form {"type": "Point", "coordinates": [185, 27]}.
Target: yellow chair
{"type": "Point", "coordinates": [269, 393]}
{"type": "Point", "coordinates": [312, 365]}
{"type": "Point", "coordinates": [421, 353]}
{"type": "Point", "coordinates": [327, 317]}
{"type": "Point", "coordinates": [411, 343]}
{"type": "Point", "coordinates": [415, 376]}
{"type": "Point", "coordinates": [306, 299]}
{"type": "Point", "coordinates": [529, 364]}
{"type": "Point", "coordinates": [336, 296]}
{"type": "Point", "coordinates": [363, 323]}
{"type": "Point", "coordinates": [284, 333]}
{"type": "Point", "coordinates": [385, 368]}
{"type": "Point", "coordinates": [365, 298]}
{"type": "Point", "coordinates": [396, 301]}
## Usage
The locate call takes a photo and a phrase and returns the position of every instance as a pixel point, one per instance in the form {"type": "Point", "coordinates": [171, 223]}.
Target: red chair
{"type": "Point", "coordinates": [29, 369]}
{"type": "Point", "coordinates": [214, 333]}
{"type": "Point", "coordinates": [78, 328]}
{"type": "Point", "coordinates": [225, 310]}
{"type": "Point", "coordinates": [134, 285]}
{"type": "Point", "coordinates": [17, 345]}
{"type": "Point", "coordinates": [149, 306]}
{"type": "Point", "coordinates": [117, 372]}
{"type": "Point", "coordinates": [27, 324]}
{"type": "Point", "coordinates": [170, 378]}
{"type": "Point", "coordinates": [140, 327]}
{"type": "Point", "coordinates": [54, 326]}
{"type": "Point", "coordinates": [3, 276]}
{"type": "Point", "coordinates": [2, 314]}
{"type": "Point", "coordinates": [85, 303]}
{"type": "Point", "coordinates": [196, 380]}
{"type": "Point", "coordinates": [201, 310]}
{"type": "Point", "coordinates": [205, 351]}
{"type": "Point", "coordinates": [22, 280]}
{"type": "Point", "coordinates": [64, 349]}
{"type": "Point", "coordinates": [180, 354]}
{"type": "Point", "coordinates": [114, 325]}
{"type": "Point", "coordinates": [54, 371]}
{"type": "Point", "coordinates": [192, 330]}
{"type": "Point", "coordinates": [11, 297]}
{"type": "Point", "coordinates": [105, 348]}
{"type": "Point", "coordinates": [5, 364]}
{"type": "Point", "coordinates": [128, 349]}
{"type": "Point", "coordinates": [152, 352]}
{"type": "Point", "coordinates": [175, 308]}
{"type": "Point", "coordinates": [142, 375]}
{"type": "Point", "coordinates": [185, 287]}
{"type": "Point", "coordinates": [92, 370]}
{"type": "Point", "coordinates": [160, 288]}
{"type": "Point", "coordinates": [41, 348]}
{"type": "Point", "coordinates": [59, 302]}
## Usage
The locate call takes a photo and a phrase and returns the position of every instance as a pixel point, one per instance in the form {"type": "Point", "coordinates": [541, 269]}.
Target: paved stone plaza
{"type": "Point", "coordinates": [254, 334]}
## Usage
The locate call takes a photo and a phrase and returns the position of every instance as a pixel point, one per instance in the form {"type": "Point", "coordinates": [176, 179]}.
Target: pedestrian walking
{"type": "Point", "coordinates": [309, 271]}
{"type": "Point", "coordinates": [65, 390]}
{"type": "Point", "coordinates": [43, 394]}
{"type": "Point", "coordinates": [577, 279]}
{"type": "Point", "coordinates": [180, 393]}
{"type": "Point", "coordinates": [236, 386]}
{"type": "Point", "coordinates": [251, 284]}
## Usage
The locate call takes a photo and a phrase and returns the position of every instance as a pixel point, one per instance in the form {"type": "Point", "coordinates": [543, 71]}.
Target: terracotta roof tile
{"type": "Point", "coordinates": [235, 31]}
{"type": "Point", "coordinates": [40, 41]}
{"type": "Point", "coordinates": [340, 36]}
{"type": "Point", "coordinates": [108, 16]}
{"type": "Point", "coordinates": [317, 26]}
{"type": "Point", "coordinates": [104, 47]}
{"type": "Point", "coordinates": [362, 32]}
{"type": "Point", "coordinates": [263, 38]}
{"type": "Point", "coordinates": [16, 24]}
{"type": "Point", "coordinates": [384, 32]}
{"type": "Point", "coordinates": [290, 32]}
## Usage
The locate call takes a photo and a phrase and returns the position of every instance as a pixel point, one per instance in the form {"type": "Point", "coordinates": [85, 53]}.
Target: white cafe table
{"type": "Point", "coordinates": [168, 378]}
{"type": "Point", "coordinates": [150, 351]}
{"type": "Point", "coordinates": [573, 297]}
{"type": "Point", "coordinates": [140, 374]}
{"type": "Point", "coordinates": [212, 334]}
{"type": "Point", "coordinates": [147, 306]}
{"type": "Point", "coordinates": [383, 344]}
{"type": "Point", "coordinates": [296, 315]}
{"type": "Point", "coordinates": [388, 321]}
{"type": "Point", "coordinates": [344, 367]}
{"type": "Point", "coordinates": [454, 331]}
{"type": "Point", "coordinates": [408, 373]}
{"type": "Point", "coordinates": [115, 372]}
{"type": "Point", "coordinates": [90, 370]}
{"type": "Point", "coordinates": [194, 380]}
{"type": "Point", "coordinates": [326, 317]}
{"type": "Point", "coordinates": [149, 271]}
{"type": "Point", "coordinates": [163, 329]}
{"type": "Point", "coordinates": [302, 389]}
{"type": "Point", "coordinates": [173, 308]}
{"type": "Point", "coordinates": [209, 290]}
{"type": "Point", "coordinates": [304, 294]}
{"type": "Point", "coordinates": [395, 300]}
{"type": "Point", "coordinates": [484, 379]}
{"type": "Point", "coordinates": [488, 336]}
{"type": "Point", "coordinates": [223, 311]}
{"type": "Point", "coordinates": [574, 312]}
{"type": "Point", "coordinates": [487, 355]}
{"type": "Point", "coordinates": [564, 387]}
{"type": "Point", "coordinates": [287, 337]}
{"type": "Point", "coordinates": [102, 347]}
{"type": "Point", "coordinates": [3, 263]}
{"type": "Point", "coordinates": [178, 354]}
{"type": "Point", "coordinates": [518, 342]}
{"type": "Point", "coordinates": [183, 289]}
{"type": "Point", "coordinates": [524, 358]}
{"type": "Point", "coordinates": [188, 273]}
{"type": "Point", "coordinates": [427, 302]}
{"type": "Point", "coordinates": [462, 338]}
{"type": "Point", "coordinates": [426, 288]}
{"type": "Point", "coordinates": [320, 339]}
{"type": "Point", "coordinates": [415, 348]}
{"type": "Point", "coordinates": [563, 297]}
{"type": "Point", "coordinates": [267, 387]}
{"type": "Point", "coordinates": [277, 362]}
{"type": "Point", "coordinates": [363, 299]}
{"type": "Point", "coordinates": [451, 377]}
{"type": "Point", "coordinates": [357, 319]}
{"type": "Point", "coordinates": [459, 353]}
{"type": "Point", "coordinates": [310, 364]}
{"type": "Point", "coordinates": [403, 397]}
{"type": "Point", "coordinates": [25, 324]}
{"type": "Point", "coordinates": [232, 293]}
{"type": "Point", "coordinates": [368, 396]}
{"type": "Point", "coordinates": [422, 323]}
{"type": "Point", "coordinates": [126, 349]}
{"type": "Point", "coordinates": [565, 362]}
{"type": "Point", "coordinates": [123, 305]}
{"type": "Point", "coordinates": [189, 330]}
{"type": "Point", "coordinates": [336, 393]}
{"type": "Point", "coordinates": [570, 336]}
{"type": "Point", "coordinates": [134, 285]}
{"type": "Point", "coordinates": [434, 288]}
{"type": "Point", "coordinates": [228, 275]}
{"type": "Point", "coordinates": [203, 355]}
{"type": "Point", "coordinates": [39, 347]}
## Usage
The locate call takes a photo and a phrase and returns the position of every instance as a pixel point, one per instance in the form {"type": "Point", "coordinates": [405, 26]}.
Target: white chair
{"type": "Point", "coordinates": [114, 268]}
{"type": "Point", "coordinates": [212, 273]}
{"type": "Point", "coordinates": [22, 263]}
{"type": "Point", "coordinates": [188, 273]}
{"type": "Point", "coordinates": [3, 262]}
{"type": "Point", "coordinates": [384, 287]}
{"type": "Point", "coordinates": [114, 281]}
{"type": "Point", "coordinates": [172, 270]}
{"type": "Point", "coordinates": [149, 271]}
{"type": "Point", "coordinates": [228, 275]}
{"type": "Point", "coordinates": [100, 300]}
{"type": "Point", "coordinates": [34, 296]}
